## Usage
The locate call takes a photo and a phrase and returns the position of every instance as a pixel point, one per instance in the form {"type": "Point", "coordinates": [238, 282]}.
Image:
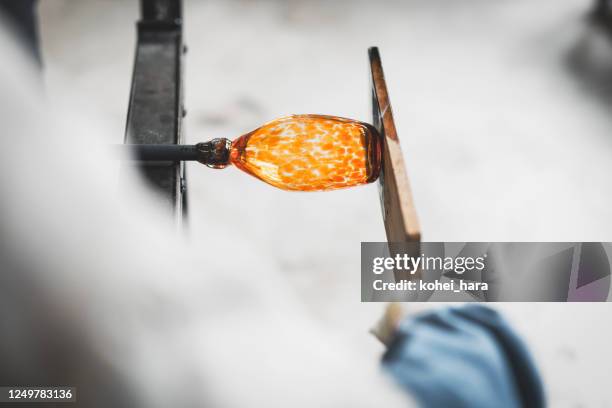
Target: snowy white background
{"type": "Point", "coordinates": [503, 109]}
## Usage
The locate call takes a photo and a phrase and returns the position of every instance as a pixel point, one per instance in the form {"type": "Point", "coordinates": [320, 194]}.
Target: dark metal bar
{"type": "Point", "coordinates": [161, 10]}
{"type": "Point", "coordinates": [156, 103]}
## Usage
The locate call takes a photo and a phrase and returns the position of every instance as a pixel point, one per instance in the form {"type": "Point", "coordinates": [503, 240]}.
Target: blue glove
{"type": "Point", "coordinates": [463, 357]}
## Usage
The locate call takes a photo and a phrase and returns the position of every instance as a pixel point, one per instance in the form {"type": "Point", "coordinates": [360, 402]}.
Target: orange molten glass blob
{"type": "Point", "coordinates": [310, 153]}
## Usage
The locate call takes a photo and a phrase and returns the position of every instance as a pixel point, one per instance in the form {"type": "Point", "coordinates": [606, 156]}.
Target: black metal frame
{"type": "Point", "coordinates": [156, 99]}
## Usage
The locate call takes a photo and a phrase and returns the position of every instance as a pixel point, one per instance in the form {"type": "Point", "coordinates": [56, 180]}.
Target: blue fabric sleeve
{"type": "Point", "coordinates": [463, 357]}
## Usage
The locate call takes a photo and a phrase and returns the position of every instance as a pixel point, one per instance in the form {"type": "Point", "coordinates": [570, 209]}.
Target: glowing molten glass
{"type": "Point", "coordinates": [310, 153]}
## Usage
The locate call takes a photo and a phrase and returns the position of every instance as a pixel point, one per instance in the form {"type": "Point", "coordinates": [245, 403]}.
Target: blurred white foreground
{"type": "Point", "coordinates": [100, 292]}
